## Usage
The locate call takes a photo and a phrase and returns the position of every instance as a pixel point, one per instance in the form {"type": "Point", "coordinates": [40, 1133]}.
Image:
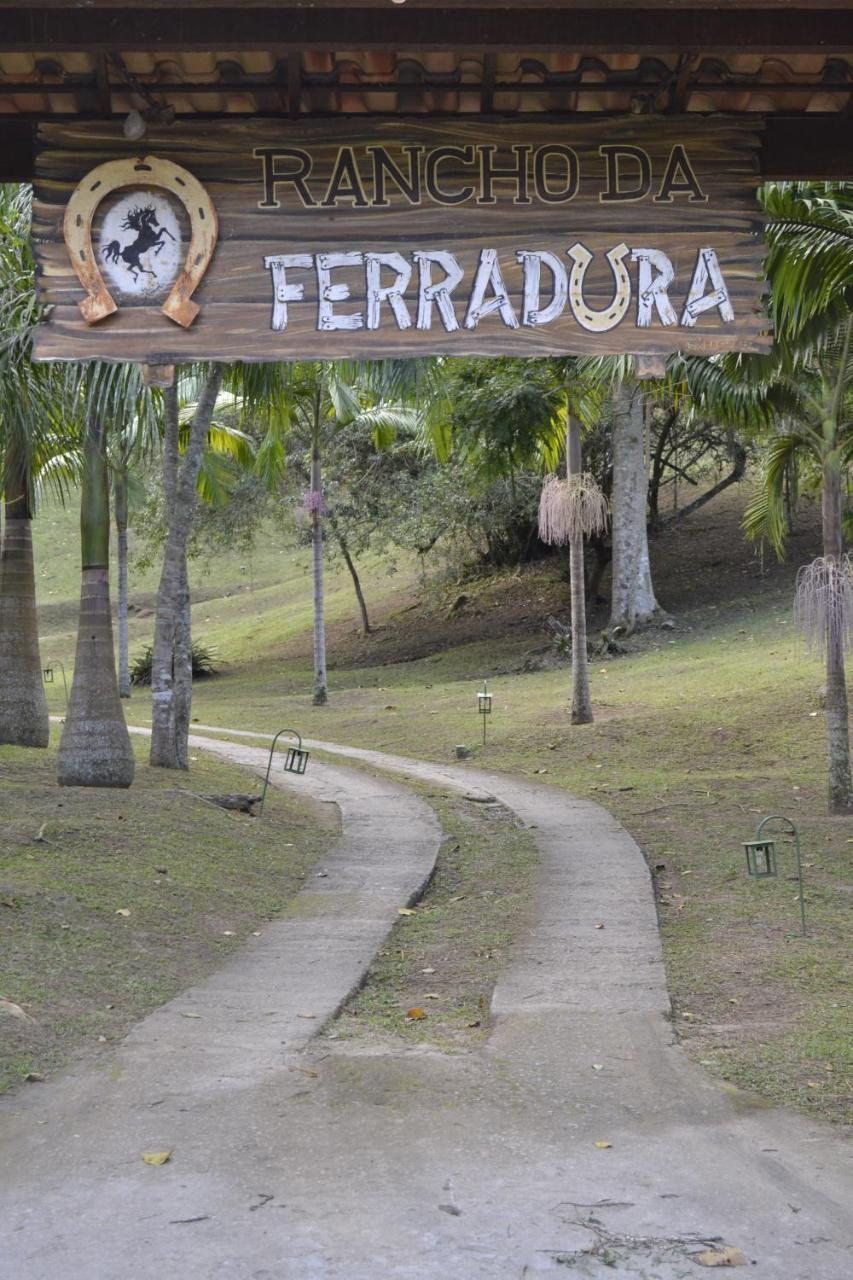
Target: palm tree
{"type": "Point", "coordinates": [32, 431]}
{"type": "Point", "coordinates": [806, 380]}
{"type": "Point", "coordinates": [95, 749]}
{"type": "Point", "coordinates": [171, 666]}
{"type": "Point", "coordinates": [309, 404]}
{"type": "Point", "coordinates": [569, 511]}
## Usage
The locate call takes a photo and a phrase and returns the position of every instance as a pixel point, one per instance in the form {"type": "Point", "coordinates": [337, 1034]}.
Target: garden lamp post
{"type": "Point", "coordinates": [47, 674]}
{"type": "Point", "coordinates": [761, 857]}
{"type": "Point", "coordinates": [295, 761]}
{"type": "Point", "coordinates": [484, 705]}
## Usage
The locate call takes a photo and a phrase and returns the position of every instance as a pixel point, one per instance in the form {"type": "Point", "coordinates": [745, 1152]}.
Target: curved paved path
{"type": "Point", "coordinates": [417, 1165]}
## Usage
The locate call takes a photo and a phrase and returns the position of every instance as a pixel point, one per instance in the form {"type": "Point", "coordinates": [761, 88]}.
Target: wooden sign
{"type": "Point", "coordinates": [279, 240]}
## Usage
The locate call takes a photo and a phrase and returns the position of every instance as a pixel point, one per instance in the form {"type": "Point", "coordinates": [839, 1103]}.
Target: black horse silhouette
{"type": "Point", "coordinates": [149, 235]}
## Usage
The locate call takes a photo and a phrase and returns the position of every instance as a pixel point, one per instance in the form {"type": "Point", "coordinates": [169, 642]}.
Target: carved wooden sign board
{"type": "Point", "coordinates": [268, 240]}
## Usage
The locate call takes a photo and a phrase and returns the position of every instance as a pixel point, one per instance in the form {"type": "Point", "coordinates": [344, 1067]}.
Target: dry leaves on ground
{"type": "Point", "coordinates": [728, 1256]}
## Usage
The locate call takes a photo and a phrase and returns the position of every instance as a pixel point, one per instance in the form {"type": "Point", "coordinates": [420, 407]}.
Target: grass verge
{"type": "Point", "coordinates": [112, 902]}
{"type": "Point", "coordinates": [444, 958]}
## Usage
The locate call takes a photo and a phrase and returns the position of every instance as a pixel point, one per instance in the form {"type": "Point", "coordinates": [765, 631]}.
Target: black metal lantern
{"type": "Point", "coordinates": [760, 858]}
{"type": "Point", "coordinates": [295, 761]}
{"type": "Point", "coordinates": [48, 675]}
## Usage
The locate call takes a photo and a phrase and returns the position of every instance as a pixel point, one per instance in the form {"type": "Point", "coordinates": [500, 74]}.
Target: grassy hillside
{"type": "Point", "coordinates": [700, 730]}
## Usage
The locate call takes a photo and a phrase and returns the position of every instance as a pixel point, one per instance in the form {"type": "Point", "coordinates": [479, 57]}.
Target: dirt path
{"type": "Point", "coordinates": [579, 1142]}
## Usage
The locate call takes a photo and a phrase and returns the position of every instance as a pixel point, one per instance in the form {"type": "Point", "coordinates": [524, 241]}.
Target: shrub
{"type": "Point", "coordinates": [204, 667]}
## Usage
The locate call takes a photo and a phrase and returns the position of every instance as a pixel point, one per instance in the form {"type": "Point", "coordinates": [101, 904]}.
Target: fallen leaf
{"type": "Point", "coordinates": [34, 1077]}
{"type": "Point", "coordinates": [451, 1209]}
{"type": "Point", "coordinates": [123, 911]}
{"type": "Point", "coordinates": [14, 1010]}
{"type": "Point", "coordinates": [599, 926]}
{"type": "Point", "coordinates": [156, 1157]}
{"type": "Point", "coordinates": [306, 1015]}
{"type": "Point", "coordinates": [458, 898]}
{"type": "Point", "coordinates": [416, 1014]}
{"type": "Point", "coordinates": [427, 970]}
{"type": "Point", "coordinates": [474, 1024]}
{"type": "Point", "coordinates": [598, 1066]}
{"type": "Point", "coordinates": [405, 911]}
{"type": "Point", "coordinates": [603, 1146]}
{"type": "Point", "coordinates": [432, 995]}
{"type": "Point", "coordinates": [728, 1256]}
{"type": "Point", "coordinates": [190, 1015]}
{"type": "Point", "coordinates": [228, 933]}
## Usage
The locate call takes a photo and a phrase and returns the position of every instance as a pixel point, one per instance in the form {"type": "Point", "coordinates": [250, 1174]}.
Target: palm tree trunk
{"type": "Point", "coordinates": [581, 700]}
{"type": "Point", "coordinates": [95, 748]}
{"type": "Point", "coordinates": [183, 672]}
{"type": "Point", "coordinates": [120, 502]}
{"type": "Point", "coordinates": [169, 720]}
{"type": "Point", "coordinates": [633, 599]}
{"type": "Point", "coordinates": [23, 707]}
{"type": "Point", "coordinates": [321, 691]}
{"type": "Point", "coordinates": [837, 726]}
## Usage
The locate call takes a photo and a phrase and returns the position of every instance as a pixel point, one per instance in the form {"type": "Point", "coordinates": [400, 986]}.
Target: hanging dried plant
{"type": "Point", "coordinates": [823, 603]}
{"type": "Point", "coordinates": [570, 509]}
{"type": "Point", "coordinates": [313, 503]}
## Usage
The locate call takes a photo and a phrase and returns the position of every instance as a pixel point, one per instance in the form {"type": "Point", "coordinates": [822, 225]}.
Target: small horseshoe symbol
{"type": "Point", "coordinates": [599, 321]}
{"type": "Point", "coordinates": [154, 172]}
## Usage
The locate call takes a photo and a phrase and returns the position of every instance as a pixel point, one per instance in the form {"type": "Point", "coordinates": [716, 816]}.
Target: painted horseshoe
{"type": "Point", "coordinates": [154, 172]}
{"type": "Point", "coordinates": [599, 321]}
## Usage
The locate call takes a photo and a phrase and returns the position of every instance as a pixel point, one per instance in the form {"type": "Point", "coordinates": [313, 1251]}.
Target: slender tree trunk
{"type": "Point", "coordinates": [95, 748]}
{"type": "Point", "coordinates": [169, 720]}
{"type": "Point", "coordinates": [120, 501]}
{"type": "Point", "coordinates": [353, 572]}
{"type": "Point", "coordinates": [633, 599]}
{"type": "Point", "coordinates": [23, 707]}
{"type": "Point", "coordinates": [183, 672]}
{"type": "Point", "coordinates": [837, 727]}
{"type": "Point", "coordinates": [321, 691]}
{"type": "Point", "coordinates": [581, 700]}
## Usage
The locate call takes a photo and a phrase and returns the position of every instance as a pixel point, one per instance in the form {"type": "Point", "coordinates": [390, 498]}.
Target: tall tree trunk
{"type": "Point", "coordinates": [23, 707]}
{"type": "Point", "coordinates": [633, 598]}
{"type": "Point", "coordinates": [183, 672]}
{"type": "Point", "coordinates": [581, 701]}
{"type": "Point", "coordinates": [837, 729]}
{"type": "Point", "coordinates": [321, 691]}
{"type": "Point", "coordinates": [169, 719]}
{"type": "Point", "coordinates": [353, 572]}
{"type": "Point", "coordinates": [120, 504]}
{"type": "Point", "coordinates": [95, 748]}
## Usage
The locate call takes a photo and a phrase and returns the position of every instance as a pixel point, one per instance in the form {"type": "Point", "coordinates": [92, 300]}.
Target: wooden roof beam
{"type": "Point", "coordinates": [652, 29]}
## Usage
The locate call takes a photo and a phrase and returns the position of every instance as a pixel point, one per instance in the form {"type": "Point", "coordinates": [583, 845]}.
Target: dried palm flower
{"type": "Point", "coordinates": [823, 604]}
{"type": "Point", "coordinates": [570, 509]}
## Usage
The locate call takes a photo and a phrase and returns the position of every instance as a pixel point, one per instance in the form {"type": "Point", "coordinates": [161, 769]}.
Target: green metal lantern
{"type": "Point", "coordinates": [295, 761]}
{"type": "Point", "coordinates": [484, 705]}
{"type": "Point", "coordinates": [760, 858]}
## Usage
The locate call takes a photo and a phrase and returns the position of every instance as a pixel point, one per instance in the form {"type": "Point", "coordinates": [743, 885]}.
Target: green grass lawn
{"type": "Point", "coordinates": [111, 902]}
{"type": "Point", "coordinates": [699, 732]}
